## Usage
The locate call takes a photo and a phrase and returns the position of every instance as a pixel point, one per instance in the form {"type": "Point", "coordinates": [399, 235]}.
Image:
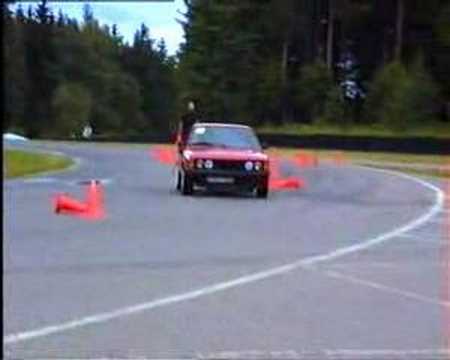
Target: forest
{"type": "Point", "coordinates": [277, 62]}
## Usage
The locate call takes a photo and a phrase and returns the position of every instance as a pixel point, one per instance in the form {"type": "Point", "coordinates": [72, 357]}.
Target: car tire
{"type": "Point", "coordinates": [177, 180]}
{"type": "Point", "coordinates": [262, 191]}
{"type": "Point", "coordinates": [187, 187]}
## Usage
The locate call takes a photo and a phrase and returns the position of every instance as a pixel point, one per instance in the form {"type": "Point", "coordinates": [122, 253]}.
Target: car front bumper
{"type": "Point", "coordinates": [219, 179]}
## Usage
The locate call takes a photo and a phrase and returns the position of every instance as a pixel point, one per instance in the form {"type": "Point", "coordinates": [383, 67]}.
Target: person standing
{"type": "Point", "coordinates": [87, 131]}
{"type": "Point", "coordinates": [185, 125]}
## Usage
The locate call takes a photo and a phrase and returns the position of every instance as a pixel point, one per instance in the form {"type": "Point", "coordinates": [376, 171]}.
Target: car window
{"type": "Point", "coordinates": [240, 138]}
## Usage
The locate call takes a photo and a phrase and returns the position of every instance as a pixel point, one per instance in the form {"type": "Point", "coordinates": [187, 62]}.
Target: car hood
{"type": "Point", "coordinates": [224, 154]}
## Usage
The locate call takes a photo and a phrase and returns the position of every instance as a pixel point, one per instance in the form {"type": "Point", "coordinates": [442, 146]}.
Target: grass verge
{"type": "Point", "coordinates": [436, 173]}
{"type": "Point", "coordinates": [427, 165]}
{"type": "Point", "coordinates": [23, 163]}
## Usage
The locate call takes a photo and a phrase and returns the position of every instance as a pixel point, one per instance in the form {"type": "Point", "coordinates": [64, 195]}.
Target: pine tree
{"type": "Point", "coordinates": [61, 21]}
{"type": "Point", "coordinates": [43, 13]}
{"type": "Point", "coordinates": [20, 15]}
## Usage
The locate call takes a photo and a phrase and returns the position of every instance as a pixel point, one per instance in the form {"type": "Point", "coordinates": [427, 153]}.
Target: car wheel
{"type": "Point", "coordinates": [187, 187]}
{"type": "Point", "coordinates": [262, 191]}
{"type": "Point", "coordinates": [177, 180]}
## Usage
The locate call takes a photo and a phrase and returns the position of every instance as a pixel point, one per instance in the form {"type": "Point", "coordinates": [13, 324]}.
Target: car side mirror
{"type": "Point", "coordinates": [264, 145]}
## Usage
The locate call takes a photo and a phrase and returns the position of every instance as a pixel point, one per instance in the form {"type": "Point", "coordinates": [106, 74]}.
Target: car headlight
{"type": "Point", "coordinates": [208, 164]}
{"type": "Point", "coordinates": [248, 166]}
{"type": "Point", "coordinates": [199, 164]}
{"type": "Point", "coordinates": [258, 166]}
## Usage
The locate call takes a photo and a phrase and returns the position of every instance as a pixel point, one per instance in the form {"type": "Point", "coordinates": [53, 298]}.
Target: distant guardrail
{"type": "Point", "coordinates": [412, 145]}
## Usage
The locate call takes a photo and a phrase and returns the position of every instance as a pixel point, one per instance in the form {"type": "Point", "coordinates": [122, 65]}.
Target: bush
{"type": "Point", "coordinates": [337, 110]}
{"type": "Point", "coordinates": [72, 106]}
{"type": "Point", "coordinates": [16, 129]}
{"type": "Point", "coordinates": [401, 97]}
{"type": "Point", "coordinates": [424, 93]}
{"type": "Point", "coordinates": [442, 26]}
{"type": "Point", "coordinates": [312, 89]}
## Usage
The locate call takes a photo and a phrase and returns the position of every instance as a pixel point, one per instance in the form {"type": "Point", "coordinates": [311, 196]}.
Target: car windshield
{"type": "Point", "coordinates": [222, 136]}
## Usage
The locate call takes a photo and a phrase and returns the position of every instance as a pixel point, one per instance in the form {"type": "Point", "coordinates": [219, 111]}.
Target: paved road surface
{"type": "Point", "coordinates": [207, 271]}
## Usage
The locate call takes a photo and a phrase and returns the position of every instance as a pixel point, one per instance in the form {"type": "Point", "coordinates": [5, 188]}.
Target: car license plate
{"type": "Point", "coordinates": [220, 180]}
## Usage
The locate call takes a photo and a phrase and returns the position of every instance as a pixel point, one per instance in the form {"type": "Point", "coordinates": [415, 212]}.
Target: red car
{"type": "Point", "coordinates": [223, 157]}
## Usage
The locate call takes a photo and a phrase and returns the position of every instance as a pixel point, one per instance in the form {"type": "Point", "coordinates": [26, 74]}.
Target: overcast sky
{"type": "Point", "coordinates": [159, 16]}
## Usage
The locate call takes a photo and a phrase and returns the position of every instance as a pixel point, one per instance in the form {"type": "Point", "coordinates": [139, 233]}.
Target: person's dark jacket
{"type": "Point", "coordinates": [186, 123]}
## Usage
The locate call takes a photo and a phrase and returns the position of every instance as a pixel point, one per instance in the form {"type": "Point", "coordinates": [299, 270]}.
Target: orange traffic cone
{"type": "Point", "coordinates": [278, 182]}
{"type": "Point", "coordinates": [304, 159]}
{"type": "Point", "coordinates": [340, 158]}
{"type": "Point", "coordinates": [286, 184]}
{"type": "Point", "coordinates": [315, 160]}
{"type": "Point", "coordinates": [92, 208]}
{"type": "Point", "coordinates": [300, 159]}
{"type": "Point", "coordinates": [94, 200]}
{"type": "Point", "coordinates": [164, 155]}
{"type": "Point", "coordinates": [66, 204]}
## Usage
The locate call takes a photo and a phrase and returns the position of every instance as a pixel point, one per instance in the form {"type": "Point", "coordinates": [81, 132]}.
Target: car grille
{"type": "Point", "coordinates": [228, 165]}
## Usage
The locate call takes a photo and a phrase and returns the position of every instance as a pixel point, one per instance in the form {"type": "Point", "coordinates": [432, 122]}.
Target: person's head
{"type": "Point", "coordinates": [191, 106]}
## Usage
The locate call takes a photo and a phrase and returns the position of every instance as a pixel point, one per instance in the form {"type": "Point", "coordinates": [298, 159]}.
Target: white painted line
{"type": "Point", "coordinates": [87, 181]}
{"type": "Point", "coordinates": [408, 236]}
{"type": "Point", "coordinates": [328, 354]}
{"type": "Point", "coordinates": [435, 354]}
{"type": "Point", "coordinates": [106, 181]}
{"type": "Point", "coordinates": [240, 281]}
{"type": "Point", "coordinates": [76, 161]}
{"type": "Point", "coordinates": [423, 238]}
{"type": "Point", "coordinates": [40, 180]}
{"type": "Point", "coordinates": [392, 265]}
{"type": "Point", "coordinates": [384, 288]}
{"type": "Point", "coordinates": [438, 221]}
{"type": "Point", "coordinates": [256, 354]}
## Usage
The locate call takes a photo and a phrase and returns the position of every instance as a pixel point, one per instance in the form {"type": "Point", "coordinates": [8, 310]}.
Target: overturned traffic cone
{"type": "Point", "coordinates": [278, 182]}
{"type": "Point", "coordinates": [64, 204]}
{"type": "Point", "coordinates": [92, 208]}
{"type": "Point", "coordinates": [94, 200]}
{"type": "Point", "coordinates": [286, 184]}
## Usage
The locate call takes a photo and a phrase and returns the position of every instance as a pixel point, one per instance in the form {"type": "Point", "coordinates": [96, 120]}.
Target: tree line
{"type": "Point", "coordinates": [253, 61]}
{"type": "Point", "coordinates": [336, 61]}
{"type": "Point", "coordinates": [61, 74]}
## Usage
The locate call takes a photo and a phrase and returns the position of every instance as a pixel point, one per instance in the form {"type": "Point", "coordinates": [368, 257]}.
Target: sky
{"type": "Point", "coordinates": [159, 16]}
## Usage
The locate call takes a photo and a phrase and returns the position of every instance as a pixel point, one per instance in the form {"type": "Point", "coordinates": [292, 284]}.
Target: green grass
{"type": "Point", "coordinates": [22, 163]}
{"type": "Point", "coordinates": [372, 156]}
{"type": "Point", "coordinates": [433, 130]}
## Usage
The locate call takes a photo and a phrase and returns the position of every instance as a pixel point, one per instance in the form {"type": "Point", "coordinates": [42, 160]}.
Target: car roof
{"type": "Point", "coordinates": [214, 124]}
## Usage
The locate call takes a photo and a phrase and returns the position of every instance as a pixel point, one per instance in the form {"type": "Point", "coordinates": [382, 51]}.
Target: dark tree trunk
{"type": "Point", "coordinates": [284, 66]}
{"type": "Point", "coordinates": [330, 33]}
{"type": "Point", "coordinates": [399, 30]}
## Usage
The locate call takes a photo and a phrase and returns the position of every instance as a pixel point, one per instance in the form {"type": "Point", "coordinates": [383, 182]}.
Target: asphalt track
{"type": "Point", "coordinates": [351, 266]}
